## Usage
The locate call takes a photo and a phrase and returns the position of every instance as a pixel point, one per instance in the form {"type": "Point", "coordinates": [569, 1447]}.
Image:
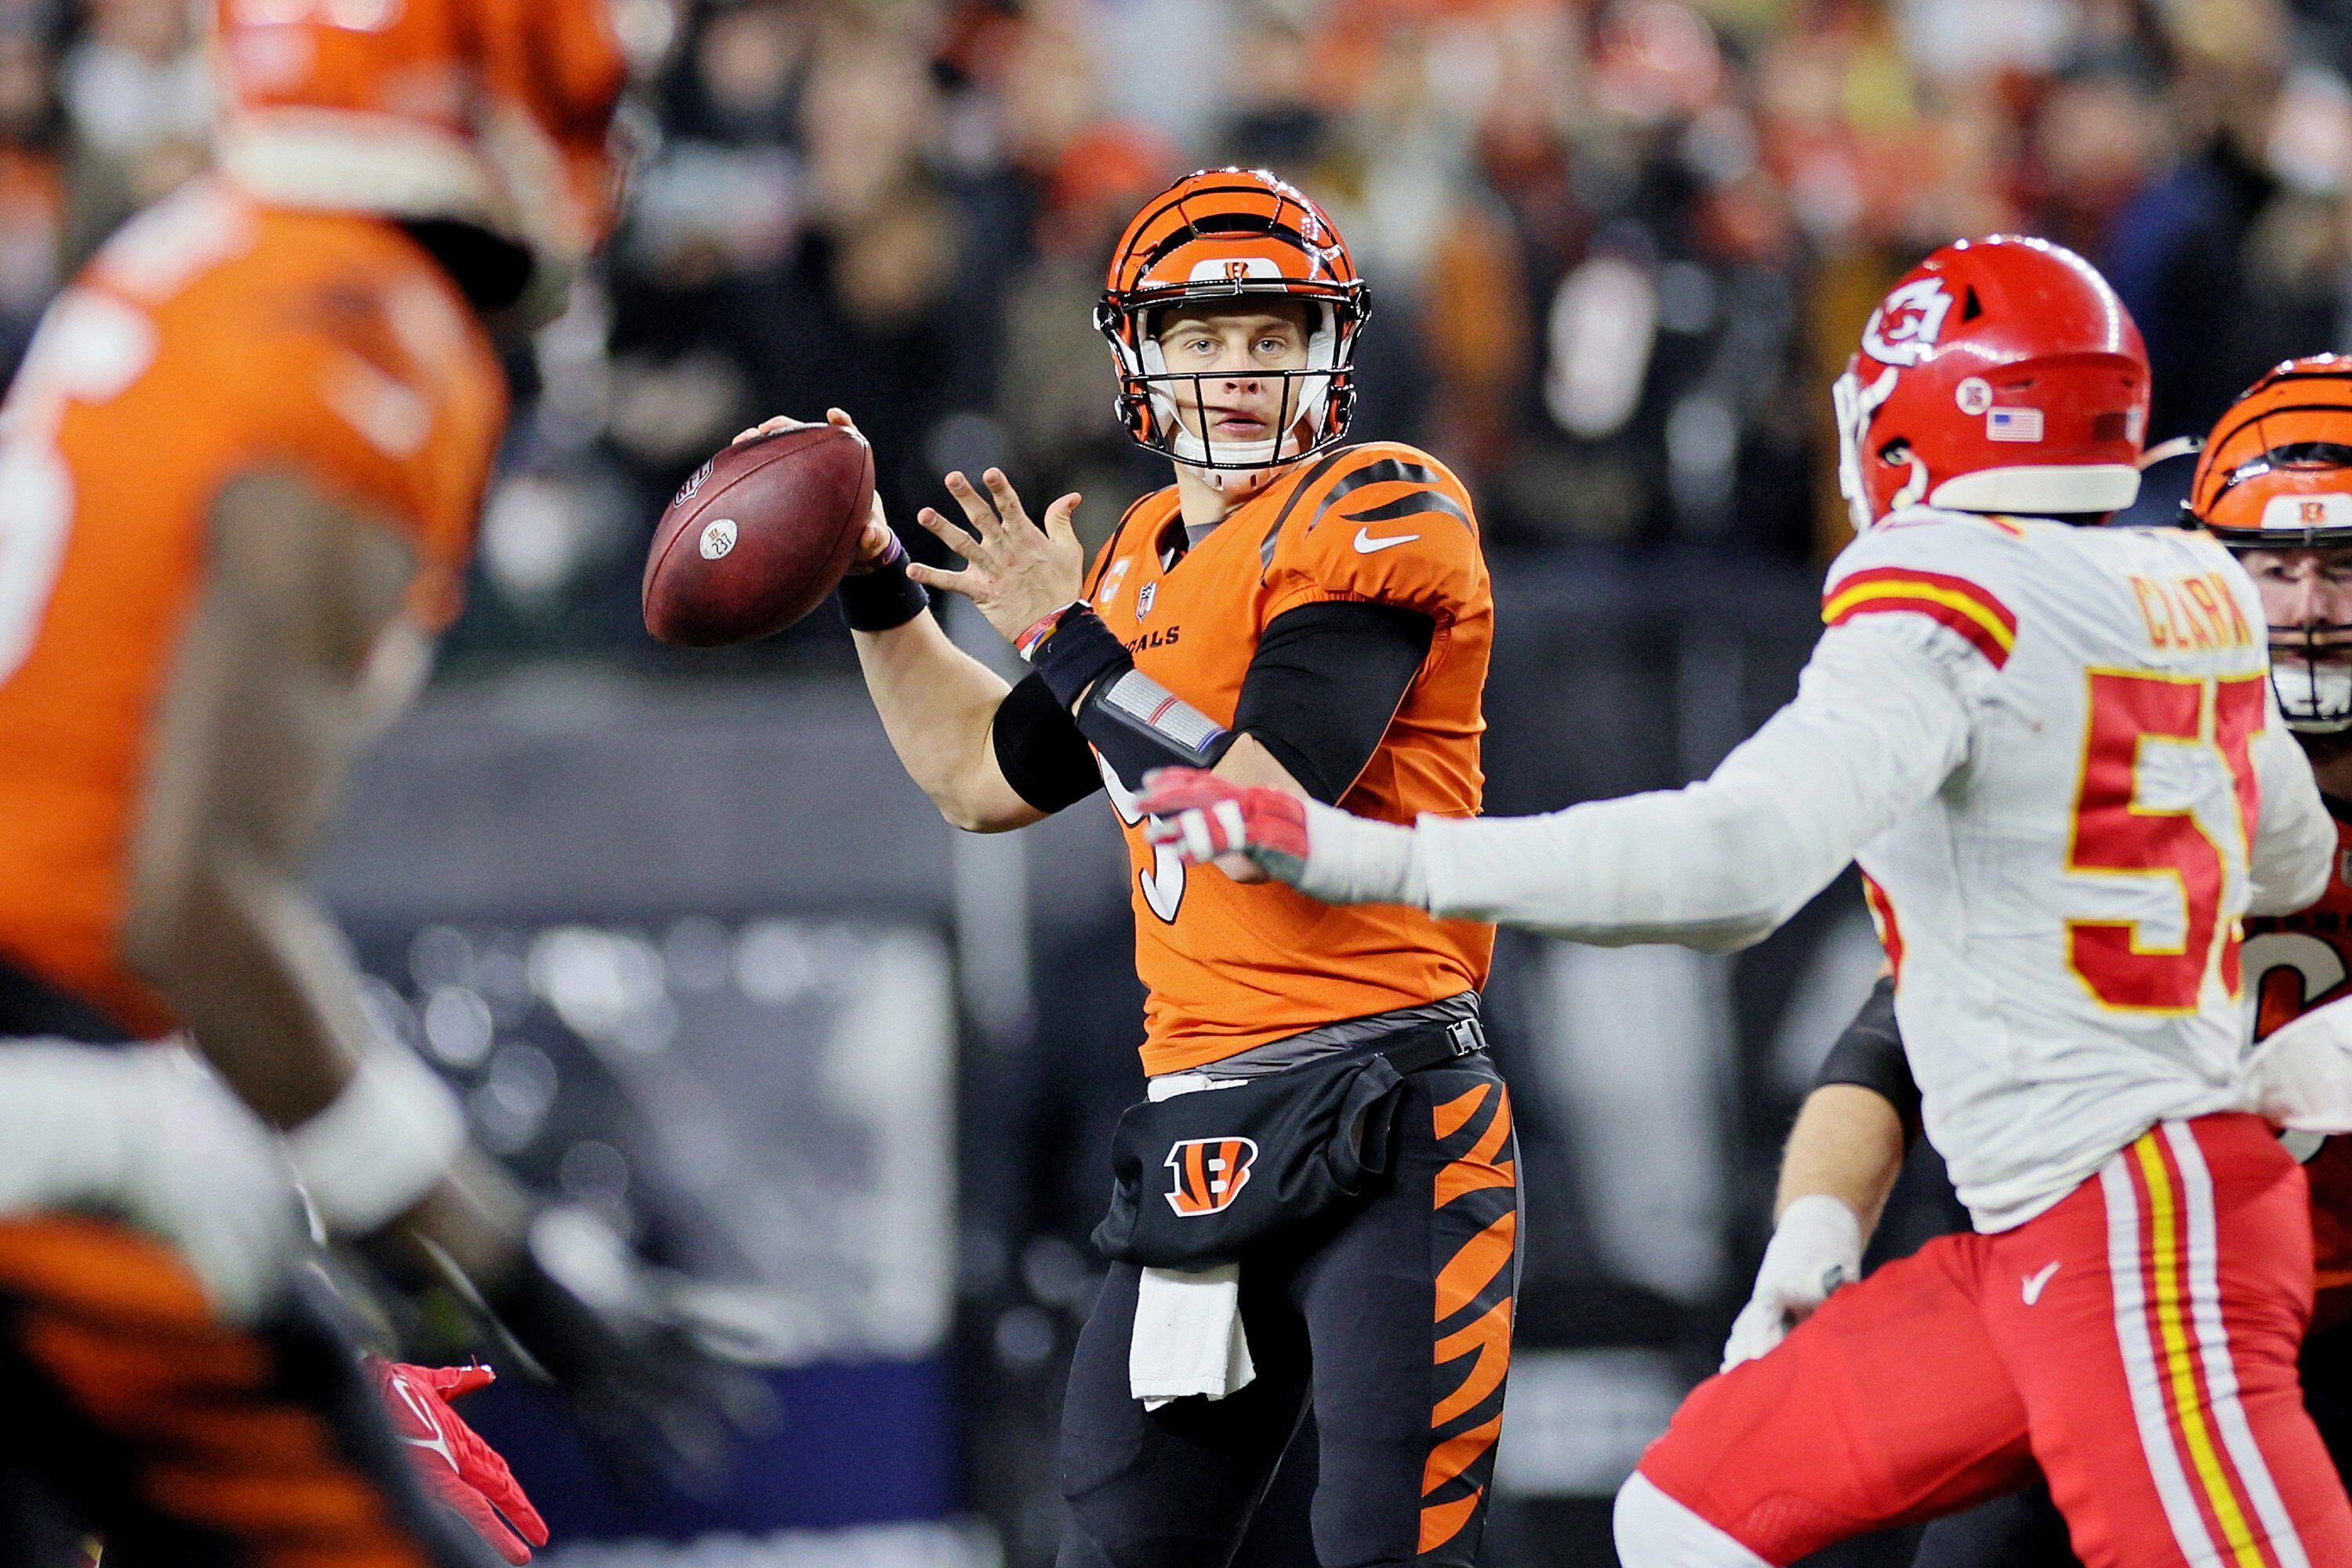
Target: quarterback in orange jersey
{"type": "Point", "coordinates": [238, 479]}
{"type": "Point", "coordinates": [1337, 1223]}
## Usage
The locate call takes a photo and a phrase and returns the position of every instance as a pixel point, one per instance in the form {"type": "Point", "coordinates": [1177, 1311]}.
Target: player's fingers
{"type": "Point", "coordinates": [496, 1530]}
{"type": "Point", "coordinates": [1243, 869]}
{"type": "Point", "coordinates": [781, 421]}
{"type": "Point", "coordinates": [449, 1382]}
{"type": "Point", "coordinates": [953, 536]}
{"type": "Point", "coordinates": [977, 510]}
{"type": "Point", "coordinates": [1175, 789]}
{"type": "Point", "coordinates": [839, 418]}
{"type": "Point", "coordinates": [1754, 1333]}
{"type": "Point", "coordinates": [485, 1469]}
{"type": "Point", "coordinates": [1009, 509]}
{"type": "Point", "coordinates": [873, 544]}
{"type": "Point", "coordinates": [1060, 525]}
{"type": "Point", "coordinates": [451, 1491]}
{"type": "Point", "coordinates": [526, 1518]}
{"type": "Point", "coordinates": [968, 584]}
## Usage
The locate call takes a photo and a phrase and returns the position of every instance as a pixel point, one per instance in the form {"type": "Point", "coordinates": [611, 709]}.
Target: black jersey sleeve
{"type": "Point", "coordinates": [1324, 684]}
{"type": "Point", "coordinates": [1039, 750]}
{"type": "Point", "coordinates": [1869, 1055]}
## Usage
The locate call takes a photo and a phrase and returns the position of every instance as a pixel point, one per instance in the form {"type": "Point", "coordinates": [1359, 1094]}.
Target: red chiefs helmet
{"type": "Point", "coordinates": [1220, 235]}
{"type": "Point", "coordinates": [496, 114]}
{"type": "Point", "coordinates": [1999, 376]}
{"type": "Point", "coordinates": [2275, 476]}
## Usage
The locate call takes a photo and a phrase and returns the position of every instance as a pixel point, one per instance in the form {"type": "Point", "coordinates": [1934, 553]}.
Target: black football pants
{"type": "Point", "coordinates": [133, 1413]}
{"type": "Point", "coordinates": [1393, 1319]}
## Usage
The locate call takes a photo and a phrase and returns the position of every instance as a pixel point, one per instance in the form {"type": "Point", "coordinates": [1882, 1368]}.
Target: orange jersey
{"type": "Point", "coordinates": [2293, 962]}
{"type": "Point", "coordinates": [1230, 967]}
{"type": "Point", "coordinates": [210, 338]}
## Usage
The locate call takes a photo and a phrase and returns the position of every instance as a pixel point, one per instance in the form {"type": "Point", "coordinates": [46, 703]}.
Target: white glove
{"type": "Point", "coordinates": [148, 1136]}
{"type": "Point", "coordinates": [1816, 1249]}
{"type": "Point", "coordinates": [2301, 1078]}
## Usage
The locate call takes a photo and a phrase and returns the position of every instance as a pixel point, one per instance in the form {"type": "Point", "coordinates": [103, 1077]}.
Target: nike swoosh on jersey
{"type": "Point", "coordinates": [1366, 544]}
{"type": "Point", "coordinates": [2031, 1289]}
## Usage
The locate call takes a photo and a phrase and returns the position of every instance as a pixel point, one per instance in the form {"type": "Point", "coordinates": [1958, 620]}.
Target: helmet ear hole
{"type": "Point", "coordinates": [1970, 306]}
{"type": "Point", "coordinates": [1894, 451]}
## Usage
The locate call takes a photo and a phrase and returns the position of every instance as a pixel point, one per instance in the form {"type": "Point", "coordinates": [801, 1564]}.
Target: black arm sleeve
{"type": "Point", "coordinates": [1325, 680]}
{"type": "Point", "coordinates": [1039, 750]}
{"type": "Point", "coordinates": [1869, 1055]}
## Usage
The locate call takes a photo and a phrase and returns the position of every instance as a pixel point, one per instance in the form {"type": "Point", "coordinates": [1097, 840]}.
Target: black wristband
{"type": "Point", "coordinates": [1079, 651]}
{"type": "Point", "coordinates": [884, 598]}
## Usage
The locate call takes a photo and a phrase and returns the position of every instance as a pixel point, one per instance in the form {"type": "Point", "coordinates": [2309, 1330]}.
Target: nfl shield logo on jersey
{"type": "Point", "coordinates": [1149, 592]}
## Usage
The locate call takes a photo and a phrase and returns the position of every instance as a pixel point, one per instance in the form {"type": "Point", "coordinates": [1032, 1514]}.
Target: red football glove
{"type": "Point", "coordinates": [461, 1471]}
{"type": "Point", "coordinates": [1203, 817]}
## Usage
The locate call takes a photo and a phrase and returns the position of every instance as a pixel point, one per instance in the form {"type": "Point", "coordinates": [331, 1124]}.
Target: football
{"type": "Point", "coordinates": [757, 537]}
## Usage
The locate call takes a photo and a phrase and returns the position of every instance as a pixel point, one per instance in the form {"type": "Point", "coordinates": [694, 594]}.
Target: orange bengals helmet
{"type": "Point", "coordinates": [495, 113]}
{"type": "Point", "coordinates": [2277, 475]}
{"type": "Point", "coordinates": [1226, 234]}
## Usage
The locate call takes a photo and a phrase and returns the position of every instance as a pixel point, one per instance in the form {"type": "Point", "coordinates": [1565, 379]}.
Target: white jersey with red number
{"type": "Point", "coordinates": [2068, 910]}
{"type": "Point", "coordinates": [2054, 753]}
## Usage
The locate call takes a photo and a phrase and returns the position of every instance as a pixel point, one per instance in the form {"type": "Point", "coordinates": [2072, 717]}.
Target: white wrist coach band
{"type": "Point", "coordinates": [383, 1144]}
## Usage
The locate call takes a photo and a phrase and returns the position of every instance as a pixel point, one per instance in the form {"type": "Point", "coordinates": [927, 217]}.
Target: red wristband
{"type": "Point", "coordinates": [1028, 642]}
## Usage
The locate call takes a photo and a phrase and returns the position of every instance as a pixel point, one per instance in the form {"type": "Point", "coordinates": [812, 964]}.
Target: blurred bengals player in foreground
{"type": "Point", "coordinates": [238, 482]}
{"type": "Point", "coordinates": [2274, 486]}
{"type": "Point", "coordinates": [1298, 611]}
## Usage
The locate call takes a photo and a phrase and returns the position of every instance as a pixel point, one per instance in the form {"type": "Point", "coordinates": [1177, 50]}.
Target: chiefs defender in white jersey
{"type": "Point", "coordinates": [2055, 753]}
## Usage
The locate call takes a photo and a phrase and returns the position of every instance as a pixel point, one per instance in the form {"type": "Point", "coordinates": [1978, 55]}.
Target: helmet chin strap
{"type": "Point", "coordinates": [1239, 482]}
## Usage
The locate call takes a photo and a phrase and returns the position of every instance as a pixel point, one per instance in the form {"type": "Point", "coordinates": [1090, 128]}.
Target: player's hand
{"type": "Point", "coordinates": [459, 1470]}
{"type": "Point", "coordinates": [878, 545]}
{"type": "Point", "coordinates": [1019, 573]}
{"type": "Point", "coordinates": [656, 1383]}
{"type": "Point", "coordinates": [1816, 1247]}
{"type": "Point", "coordinates": [1207, 818]}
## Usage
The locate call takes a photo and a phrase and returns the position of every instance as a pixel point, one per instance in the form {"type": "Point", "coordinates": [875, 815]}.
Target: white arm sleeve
{"type": "Point", "coordinates": [2294, 839]}
{"type": "Point", "coordinates": [1877, 726]}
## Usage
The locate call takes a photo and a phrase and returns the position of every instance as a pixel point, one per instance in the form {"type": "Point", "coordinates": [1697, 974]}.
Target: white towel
{"type": "Point", "coordinates": [1188, 1337]}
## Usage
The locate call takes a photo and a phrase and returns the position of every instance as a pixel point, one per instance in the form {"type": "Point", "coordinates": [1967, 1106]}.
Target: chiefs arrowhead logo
{"type": "Point", "coordinates": [1903, 329]}
{"type": "Point", "coordinates": [1210, 1174]}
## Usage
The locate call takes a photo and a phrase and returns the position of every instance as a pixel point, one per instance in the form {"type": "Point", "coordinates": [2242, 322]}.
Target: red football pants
{"type": "Point", "coordinates": [2137, 1342]}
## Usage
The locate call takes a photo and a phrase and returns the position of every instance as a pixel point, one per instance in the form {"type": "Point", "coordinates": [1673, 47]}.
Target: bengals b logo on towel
{"type": "Point", "coordinates": [1210, 1173]}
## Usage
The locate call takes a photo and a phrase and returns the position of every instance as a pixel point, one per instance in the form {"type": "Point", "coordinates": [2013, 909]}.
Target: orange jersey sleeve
{"type": "Point", "coordinates": [378, 390]}
{"type": "Point", "coordinates": [1385, 524]}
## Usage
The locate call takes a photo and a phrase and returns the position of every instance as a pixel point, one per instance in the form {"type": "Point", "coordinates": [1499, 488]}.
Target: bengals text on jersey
{"type": "Point", "coordinates": [213, 337]}
{"type": "Point", "coordinates": [1230, 967]}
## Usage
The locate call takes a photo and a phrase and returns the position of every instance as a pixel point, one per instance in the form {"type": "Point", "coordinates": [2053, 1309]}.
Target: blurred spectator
{"type": "Point", "coordinates": [1618, 250]}
{"type": "Point", "coordinates": [32, 181]}
{"type": "Point", "coordinates": [138, 108]}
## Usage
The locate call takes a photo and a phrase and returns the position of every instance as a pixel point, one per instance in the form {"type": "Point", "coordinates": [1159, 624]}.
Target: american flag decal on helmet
{"type": "Point", "coordinates": [2013, 424]}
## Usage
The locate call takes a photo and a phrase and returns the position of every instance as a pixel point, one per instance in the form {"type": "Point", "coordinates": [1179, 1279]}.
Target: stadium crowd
{"type": "Point", "coordinates": [1617, 248]}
